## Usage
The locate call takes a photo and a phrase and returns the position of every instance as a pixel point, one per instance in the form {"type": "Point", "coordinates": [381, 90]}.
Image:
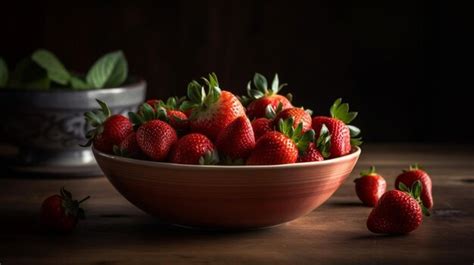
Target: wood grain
{"type": "Point", "coordinates": [115, 232]}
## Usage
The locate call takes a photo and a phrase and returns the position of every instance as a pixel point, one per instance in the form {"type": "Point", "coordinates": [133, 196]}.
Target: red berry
{"type": "Point", "coordinates": [60, 213]}
{"type": "Point", "coordinates": [370, 186]}
{"type": "Point", "coordinates": [192, 148]}
{"type": "Point", "coordinates": [156, 138]}
{"type": "Point", "coordinates": [299, 115]}
{"type": "Point", "coordinates": [311, 154]}
{"type": "Point", "coordinates": [256, 109]}
{"type": "Point", "coordinates": [410, 176]}
{"type": "Point", "coordinates": [109, 130]}
{"type": "Point", "coordinates": [261, 126]}
{"type": "Point", "coordinates": [237, 140]}
{"type": "Point", "coordinates": [396, 213]}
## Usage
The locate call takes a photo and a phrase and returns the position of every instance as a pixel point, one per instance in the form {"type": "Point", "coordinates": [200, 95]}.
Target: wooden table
{"type": "Point", "coordinates": [115, 232]}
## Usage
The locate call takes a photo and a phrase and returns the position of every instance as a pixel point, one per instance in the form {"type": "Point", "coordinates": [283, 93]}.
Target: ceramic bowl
{"type": "Point", "coordinates": [229, 197]}
{"type": "Point", "coordinates": [48, 126]}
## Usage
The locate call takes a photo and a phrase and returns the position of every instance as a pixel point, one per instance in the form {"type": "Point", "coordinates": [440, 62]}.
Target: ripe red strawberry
{"type": "Point", "coordinates": [60, 213]}
{"type": "Point", "coordinates": [261, 126]}
{"type": "Point", "coordinates": [237, 140]}
{"type": "Point", "coordinates": [299, 116]}
{"type": "Point", "coordinates": [129, 147]}
{"type": "Point", "coordinates": [318, 150]}
{"type": "Point", "coordinates": [211, 112]}
{"type": "Point", "coordinates": [397, 212]}
{"type": "Point", "coordinates": [108, 130]}
{"type": "Point", "coordinates": [310, 154]}
{"type": "Point", "coordinates": [281, 147]}
{"type": "Point", "coordinates": [370, 186]}
{"type": "Point", "coordinates": [156, 138]}
{"type": "Point", "coordinates": [263, 96]}
{"type": "Point", "coordinates": [408, 177]}
{"type": "Point", "coordinates": [341, 133]}
{"type": "Point", "coordinates": [194, 148]}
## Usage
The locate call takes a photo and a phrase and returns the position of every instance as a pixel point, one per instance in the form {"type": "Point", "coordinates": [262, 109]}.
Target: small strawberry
{"type": "Point", "coordinates": [194, 148]}
{"type": "Point", "coordinates": [398, 212]}
{"type": "Point", "coordinates": [175, 117]}
{"type": "Point", "coordinates": [281, 147]}
{"type": "Point", "coordinates": [261, 126]}
{"type": "Point", "coordinates": [342, 135]}
{"type": "Point", "coordinates": [129, 147]}
{"type": "Point", "coordinates": [60, 213]}
{"type": "Point", "coordinates": [108, 130]}
{"type": "Point", "coordinates": [414, 173]}
{"type": "Point", "coordinates": [370, 186]}
{"type": "Point", "coordinates": [299, 115]}
{"type": "Point", "coordinates": [318, 150]}
{"type": "Point", "coordinates": [237, 140]}
{"type": "Point", "coordinates": [263, 96]}
{"type": "Point", "coordinates": [211, 112]}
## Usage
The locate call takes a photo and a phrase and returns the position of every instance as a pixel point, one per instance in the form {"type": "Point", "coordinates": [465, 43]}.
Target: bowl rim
{"type": "Point", "coordinates": [355, 152]}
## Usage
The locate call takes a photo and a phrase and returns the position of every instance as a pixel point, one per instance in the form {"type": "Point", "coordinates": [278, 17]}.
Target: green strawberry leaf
{"type": "Point", "coordinates": [209, 158]}
{"type": "Point", "coordinates": [323, 143]}
{"type": "Point", "coordinates": [403, 187]}
{"type": "Point", "coordinates": [3, 73]}
{"type": "Point", "coordinates": [110, 70]}
{"type": "Point", "coordinates": [260, 83]}
{"type": "Point", "coordinates": [368, 172]}
{"type": "Point", "coordinates": [341, 111]}
{"type": "Point", "coordinates": [354, 131]}
{"type": "Point", "coordinates": [54, 68]}
{"type": "Point", "coordinates": [27, 74]}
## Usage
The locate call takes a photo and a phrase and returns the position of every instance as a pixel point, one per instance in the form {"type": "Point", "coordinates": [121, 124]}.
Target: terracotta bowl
{"type": "Point", "coordinates": [230, 197]}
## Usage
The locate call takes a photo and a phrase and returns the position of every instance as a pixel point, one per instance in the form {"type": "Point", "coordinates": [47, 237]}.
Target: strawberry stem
{"type": "Point", "coordinates": [83, 200]}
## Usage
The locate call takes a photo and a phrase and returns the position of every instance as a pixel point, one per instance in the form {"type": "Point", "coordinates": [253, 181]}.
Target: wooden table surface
{"type": "Point", "coordinates": [115, 232]}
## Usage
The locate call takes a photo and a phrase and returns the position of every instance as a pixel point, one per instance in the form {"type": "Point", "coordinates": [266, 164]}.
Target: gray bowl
{"type": "Point", "coordinates": [48, 126]}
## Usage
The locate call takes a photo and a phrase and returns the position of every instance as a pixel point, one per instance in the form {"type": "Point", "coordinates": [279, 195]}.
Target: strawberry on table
{"type": "Point", "coordinates": [415, 173]}
{"type": "Point", "coordinates": [398, 212]}
{"type": "Point", "coordinates": [281, 147]}
{"type": "Point", "coordinates": [370, 186]}
{"type": "Point", "coordinates": [60, 212]}
{"type": "Point", "coordinates": [211, 112]}
{"type": "Point", "coordinates": [342, 134]}
{"type": "Point", "coordinates": [262, 96]}
{"type": "Point", "coordinates": [237, 140]}
{"type": "Point", "coordinates": [108, 130]}
{"type": "Point", "coordinates": [194, 148]}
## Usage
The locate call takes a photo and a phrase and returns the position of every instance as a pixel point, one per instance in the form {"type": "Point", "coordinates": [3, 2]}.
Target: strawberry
{"type": "Point", "coordinates": [299, 116]}
{"type": "Point", "coordinates": [342, 135]}
{"type": "Point", "coordinates": [175, 117]}
{"type": "Point", "coordinates": [155, 138]}
{"type": "Point", "coordinates": [129, 147]}
{"type": "Point", "coordinates": [414, 173]}
{"type": "Point", "coordinates": [194, 148]}
{"type": "Point", "coordinates": [262, 96]}
{"type": "Point", "coordinates": [317, 151]}
{"type": "Point", "coordinates": [397, 212]}
{"type": "Point", "coordinates": [370, 186]}
{"type": "Point", "coordinates": [108, 130]}
{"type": "Point", "coordinates": [60, 213]}
{"type": "Point", "coordinates": [237, 140]}
{"type": "Point", "coordinates": [281, 147]}
{"type": "Point", "coordinates": [261, 126]}
{"type": "Point", "coordinates": [211, 112]}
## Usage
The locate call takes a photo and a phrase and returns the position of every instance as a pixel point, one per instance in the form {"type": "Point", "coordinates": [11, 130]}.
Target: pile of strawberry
{"type": "Point", "coordinates": [398, 211]}
{"type": "Point", "coordinates": [213, 126]}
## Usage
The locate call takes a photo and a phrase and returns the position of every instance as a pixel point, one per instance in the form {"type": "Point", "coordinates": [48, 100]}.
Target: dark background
{"type": "Point", "coordinates": [396, 62]}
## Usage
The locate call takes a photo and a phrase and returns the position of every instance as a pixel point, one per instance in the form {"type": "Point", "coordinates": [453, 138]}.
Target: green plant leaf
{"type": "Point", "coordinates": [3, 73]}
{"type": "Point", "coordinates": [27, 74]}
{"type": "Point", "coordinates": [54, 68]}
{"type": "Point", "coordinates": [110, 70]}
{"type": "Point", "coordinates": [275, 84]}
{"type": "Point", "coordinates": [79, 84]}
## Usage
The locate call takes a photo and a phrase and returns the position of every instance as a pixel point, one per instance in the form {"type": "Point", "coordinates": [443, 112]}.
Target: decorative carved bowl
{"type": "Point", "coordinates": [48, 126]}
{"type": "Point", "coordinates": [230, 197]}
